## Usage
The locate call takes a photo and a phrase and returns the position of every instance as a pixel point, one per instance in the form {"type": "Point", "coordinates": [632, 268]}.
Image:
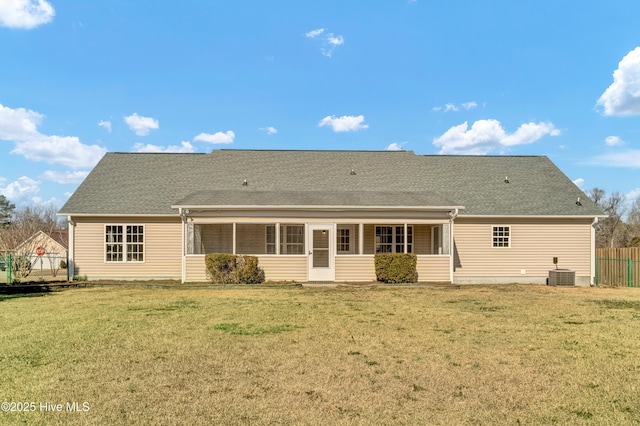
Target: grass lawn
{"type": "Point", "coordinates": [254, 355]}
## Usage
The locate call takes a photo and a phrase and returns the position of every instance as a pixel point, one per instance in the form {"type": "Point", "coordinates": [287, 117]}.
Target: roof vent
{"type": "Point", "coordinates": [578, 203]}
{"type": "Point", "coordinates": [506, 179]}
{"type": "Point", "coordinates": [245, 183]}
{"type": "Point", "coordinates": [353, 172]}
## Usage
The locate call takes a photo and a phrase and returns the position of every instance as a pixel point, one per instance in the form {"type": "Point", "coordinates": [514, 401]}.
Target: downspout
{"type": "Point", "coordinates": [452, 216]}
{"type": "Point", "coordinates": [592, 279]}
{"type": "Point", "coordinates": [183, 217]}
{"type": "Point", "coordinates": [71, 265]}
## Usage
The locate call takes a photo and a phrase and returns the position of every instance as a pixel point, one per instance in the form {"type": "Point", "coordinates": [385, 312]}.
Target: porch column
{"type": "Point", "coordinates": [361, 238]}
{"type": "Point", "coordinates": [406, 237]}
{"type": "Point", "coordinates": [451, 250]}
{"type": "Point", "coordinates": [234, 239]}
{"type": "Point", "coordinates": [183, 262]}
{"type": "Point", "coordinates": [277, 238]}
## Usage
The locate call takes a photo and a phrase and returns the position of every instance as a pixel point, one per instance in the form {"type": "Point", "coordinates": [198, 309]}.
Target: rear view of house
{"type": "Point", "coordinates": [323, 215]}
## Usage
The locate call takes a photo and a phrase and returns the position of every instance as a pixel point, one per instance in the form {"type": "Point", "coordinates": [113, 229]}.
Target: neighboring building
{"type": "Point", "coordinates": [45, 250]}
{"type": "Point", "coordinates": [322, 215]}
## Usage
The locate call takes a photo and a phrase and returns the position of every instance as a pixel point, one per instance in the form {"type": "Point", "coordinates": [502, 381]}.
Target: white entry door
{"type": "Point", "coordinates": [321, 249]}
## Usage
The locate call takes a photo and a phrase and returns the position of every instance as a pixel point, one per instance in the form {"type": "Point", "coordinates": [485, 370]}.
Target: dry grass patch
{"type": "Point", "coordinates": [478, 355]}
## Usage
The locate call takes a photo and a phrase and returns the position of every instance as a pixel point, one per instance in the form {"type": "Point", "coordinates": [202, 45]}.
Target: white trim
{"type": "Point", "coordinates": [361, 238]}
{"type": "Point", "coordinates": [233, 239]}
{"type": "Point", "coordinates": [183, 277]}
{"type": "Point", "coordinates": [503, 216]}
{"type": "Point", "coordinates": [321, 273]}
{"type": "Point", "coordinates": [311, 207]}
{"type": "Point", "coordinates": [174, 215]}
{"type": "Point", "coordinates": [593, 252]}
{"type": "Point", "coordinates": [71, 250]}
{"type": "Point", "coordinates": [124, 243]}
{"type": "Point", "coordinates": [393, 236]}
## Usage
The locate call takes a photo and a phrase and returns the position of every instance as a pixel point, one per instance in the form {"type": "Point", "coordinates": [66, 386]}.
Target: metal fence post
{"type": "Point", "coordinates": [9, 266]}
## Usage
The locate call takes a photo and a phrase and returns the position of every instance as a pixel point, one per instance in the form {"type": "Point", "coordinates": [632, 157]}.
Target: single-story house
{"type": "Point", "coordinates": [321, 216]}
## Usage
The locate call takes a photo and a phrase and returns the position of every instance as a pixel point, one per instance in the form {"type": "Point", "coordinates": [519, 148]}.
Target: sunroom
{"type": "Point", "coordinates": [313, 249]}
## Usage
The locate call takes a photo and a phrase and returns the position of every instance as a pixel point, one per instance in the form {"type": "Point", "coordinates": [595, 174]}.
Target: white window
{"type": "Point", "coordinates": [345, 237]}
{"type": "Point", "coordinates": [501, 236]}
{"type": "Point", "coordinates": [124, 243]}
{"type": "Point", "coordinates": [291, 239]}
{"type": "Point", "coordinates": [390, 239]}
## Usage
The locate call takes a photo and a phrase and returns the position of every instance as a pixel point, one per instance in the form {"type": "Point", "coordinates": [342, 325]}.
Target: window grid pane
{"type": "Point", "coordinates": [501, 236]}
{"type": "Point", "coordinates": [118, 242]}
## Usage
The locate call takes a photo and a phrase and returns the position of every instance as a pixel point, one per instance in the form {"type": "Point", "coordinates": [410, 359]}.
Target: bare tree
{"type": "Point", "coordinates": [611, 231]}
{"type": "Point", "coordinates": [633, 222]}
{"type": "Point", "coordinates": [22, 238]}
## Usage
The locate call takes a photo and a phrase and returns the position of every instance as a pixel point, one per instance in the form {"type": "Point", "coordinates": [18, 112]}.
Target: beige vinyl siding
{"type": "Point", "coordinates": [433, 268]}
{"type": "Point", "coordinates": [195, 268]}
{"type": "Point", "coordinates": [284, 268]}
{"type": "Point", "coordinates": [276, 268]}
{"type": "Point", "coordinates": [355, 268]}
{"type": "Point", "coordinates": [162, 249]}
{"type": "Point", "coordinates": [533, 245]}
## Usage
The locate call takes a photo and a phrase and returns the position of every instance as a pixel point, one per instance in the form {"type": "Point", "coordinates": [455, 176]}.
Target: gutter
{"type": "Point", "coordinates": [452, 216]}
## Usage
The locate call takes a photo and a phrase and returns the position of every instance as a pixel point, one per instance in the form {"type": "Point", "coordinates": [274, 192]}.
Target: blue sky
{"type": "Point", "coordinates": [80, 78]}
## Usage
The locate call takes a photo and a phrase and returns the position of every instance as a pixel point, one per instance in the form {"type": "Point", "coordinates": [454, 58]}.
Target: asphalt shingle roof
{"type": "Point", "coordinates": [150, 183]}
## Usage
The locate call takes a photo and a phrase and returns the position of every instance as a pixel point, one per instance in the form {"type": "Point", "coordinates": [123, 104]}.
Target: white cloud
{"type": "Point", "coordinates": [346, 123]}
{"type": "Point", "coordinates": [105, 124]}
{"type": "Point", "coordinates": [140, 125]}
{"type": "Point", "coordinates": [65, 150]}
{"type": "Point", "coordinates": [65, 177]}
{"type": "Point", "coordinates": [314, 33]}
{"type": "Point", "coordinates": [185, 146]}
{"type": "Point", "coordinates": [21, 189]}
{"type": "Point", "coordinates": [579, 182]}
{"type": "Point", "coordinates": [623, 96]}
{"type": "Point", "coordinates": [613, 141]}
{"type": "Point", "coordinates": [270, 130]}
{"type": "Point", "coordinates": [328, 42]}
{"type": "Point", "coordinates": [25, 14]}
{"type": "Point", "coordinates": [396, 146]}
{"type": "Point", "coordinates": [217, 138]}
{"type": "Point", "coordinates": [20, 126]}
{"type": "Point", "coordinates": [19, 123]}
{"type": "Point", "coordinates": [453, 107]}
{"type": "Point", "coordinates": [485, 136]}
{"type": "Point", "coordinates": [629, 158]}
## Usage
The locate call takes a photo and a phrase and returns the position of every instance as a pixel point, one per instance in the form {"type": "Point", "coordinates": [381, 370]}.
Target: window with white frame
{"type": "Point", "coordinates": [345, 236]}
{"type": "Point", "coordinates": [291, 239]}
{"type": "Point", "coordinates": [124, 243]}
{"type": "Point", "coordinates": [390, 239]}
{"type": "Point", "coordinates": [501, 236]}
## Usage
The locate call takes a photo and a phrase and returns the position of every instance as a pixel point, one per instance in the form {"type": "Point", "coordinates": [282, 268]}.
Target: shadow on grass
{"type": "Point", "coordinates": [16, 290]}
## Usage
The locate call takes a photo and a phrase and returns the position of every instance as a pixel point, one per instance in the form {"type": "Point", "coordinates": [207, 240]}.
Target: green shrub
{"type": "Point", "coordinates": [63, 264]}
{"type": "Point", "coordinates": [248, 271]}
{"type": "Point", "coordinates": [396, 268]}
{"type": "Point", "coordinates": [231, 269]}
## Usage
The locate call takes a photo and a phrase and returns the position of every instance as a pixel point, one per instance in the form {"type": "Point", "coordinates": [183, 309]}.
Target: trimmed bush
{"type": "Point", "coordinates": [248, 271]}
{"type": "Point", "coordinates": [233, 269]}
{"type": "Point", "coordinates": [396, 268]}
